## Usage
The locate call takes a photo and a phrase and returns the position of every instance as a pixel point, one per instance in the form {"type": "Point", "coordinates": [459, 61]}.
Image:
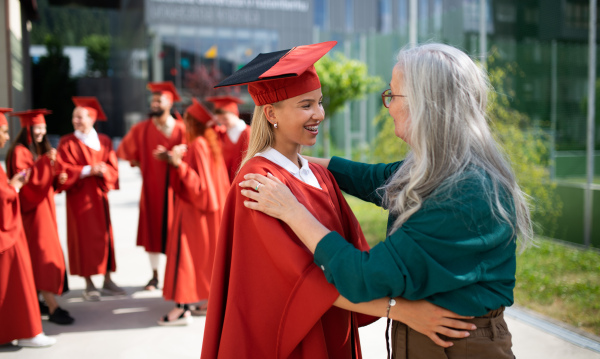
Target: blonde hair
{"type": "Point", "coordinates": [446, 94]}
{"type": "Point", "coordinates": [262, 135]}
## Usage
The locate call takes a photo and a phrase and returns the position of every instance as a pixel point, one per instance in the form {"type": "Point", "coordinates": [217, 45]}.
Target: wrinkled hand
{"type": "Point", "coordinates": [19, 179]}
{"type": "Point", "coordinates": [431, 320]}
{"type": "Point", "coordinates": [98, 169]}
{"type": "Point", "coordinates": [270, 196]}
{"type": "Point", "coordinates": [62, 178]}
{"type": "Point", "coordinates": [160, 153]}
{"type": "Point", "coordinates": [51, 154]}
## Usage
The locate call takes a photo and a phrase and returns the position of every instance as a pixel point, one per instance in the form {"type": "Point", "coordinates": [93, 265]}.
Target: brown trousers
{"type": "Point", "coordinates": [491, 340]}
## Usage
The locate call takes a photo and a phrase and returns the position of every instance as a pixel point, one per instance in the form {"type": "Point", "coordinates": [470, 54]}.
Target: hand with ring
{"type": "Point", "coordinates": [275, 199]}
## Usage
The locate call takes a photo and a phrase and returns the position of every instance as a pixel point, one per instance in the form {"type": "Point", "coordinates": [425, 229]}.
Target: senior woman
{"type": "Point", "coordinates": [455, 209]}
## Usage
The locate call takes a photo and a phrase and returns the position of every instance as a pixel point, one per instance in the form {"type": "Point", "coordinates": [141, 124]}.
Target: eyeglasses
{"type": "Point", "coordinates": [386, 97]}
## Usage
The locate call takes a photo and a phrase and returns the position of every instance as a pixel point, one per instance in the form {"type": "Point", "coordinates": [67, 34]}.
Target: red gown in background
{"type": "Point", "coordinates": [233, 153]}
{"type": "Point", "coordinates": [268, 299]}
{"type": "Point", "coordinates": [89, 230]}
{"type": "Point", "coordinates": [201, 185]}
{"type": "Point", "coordinates": [39, 220]}
{"type": "Point", "coordinates": [19, 308]}
{"type": "Point", "coordinates": [156, 200]}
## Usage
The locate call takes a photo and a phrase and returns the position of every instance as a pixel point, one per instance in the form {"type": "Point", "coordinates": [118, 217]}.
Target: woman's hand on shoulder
{"type": "Point", "coordinates": [431, 320]}
{"type": "Point", "coordinates": [269, 195]}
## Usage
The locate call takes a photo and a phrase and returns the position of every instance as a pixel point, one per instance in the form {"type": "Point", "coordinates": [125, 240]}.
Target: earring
{"type": "Point", "coordinates": [275, 125]}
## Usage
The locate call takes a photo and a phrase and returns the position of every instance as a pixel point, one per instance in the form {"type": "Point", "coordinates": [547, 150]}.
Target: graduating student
{"type": "Point", "coordinates": [32, 151]}
{"type": "Point", "coordinates": [200, 182]}
{"type": "Point", "coordinates": [156, 200]}
{"type": "Point", "coordinates": [89, 170]}
{"type": "Point", "coordinates": [19, 312]}
{"type": "Point", "coordinates": [267, 298]}
{"type": "Point", "coordinates": [236, 134]}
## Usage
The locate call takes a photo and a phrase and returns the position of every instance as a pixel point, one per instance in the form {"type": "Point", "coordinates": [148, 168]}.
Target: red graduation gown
{"type": "Point", "coordinates": [201, 185]}
{"type": "Point", "coordinates": [39, 220]}
{"type": "Point", "coordinates": [233, 153]}
{"type": "Point", "coordinates": [268, 299]}
{"type": "Point", "coordinates": [156, 200]}
{"type": "Point", "coordinates": [89, 230]}
{"type": "Point", "coordinates": [19, 309]}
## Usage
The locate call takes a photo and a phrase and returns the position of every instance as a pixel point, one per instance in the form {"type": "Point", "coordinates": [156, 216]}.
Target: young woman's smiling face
{"type": "Point", "coordinates": [298, 119]}
{"type": "Point", "coordinates": [39, 131]}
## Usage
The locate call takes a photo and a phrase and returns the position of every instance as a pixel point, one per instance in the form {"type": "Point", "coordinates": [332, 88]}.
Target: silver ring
{"type": "Point", "coordinates": [258, 185]}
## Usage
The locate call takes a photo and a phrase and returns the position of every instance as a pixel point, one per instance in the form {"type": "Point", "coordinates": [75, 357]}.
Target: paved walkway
{"type": "Point", "coordinates": [125, 327]}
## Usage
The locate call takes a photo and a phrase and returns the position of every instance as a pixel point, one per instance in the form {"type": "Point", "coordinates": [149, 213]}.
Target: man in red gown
{"type": "Point", "coordinates": [156, 200]}
{"type": "Point", "coordinates": [19, 312]}
{"type": "Point", "coordinates": [233, 132]}
{"type": "Point", "coordinates": [89, 169]}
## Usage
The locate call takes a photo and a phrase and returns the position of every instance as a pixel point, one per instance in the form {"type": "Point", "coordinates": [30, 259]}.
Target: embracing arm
{"type": "Point", "coordinates": [420, 315]}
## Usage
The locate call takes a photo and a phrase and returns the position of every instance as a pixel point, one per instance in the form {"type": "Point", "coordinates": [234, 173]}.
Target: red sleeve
{"type": "Point", "coordinates": [193, 180]}
{"type": "Point", "coordinates": [110, 180]}
{"type": "Point", "coordinates": [68, 162]}
{"type": "Point", "coordinates": [40, 180]}
{"type": "Point", "coordinates": [10, 215]}
{"type": "Point", "coordinates": [129, 146]}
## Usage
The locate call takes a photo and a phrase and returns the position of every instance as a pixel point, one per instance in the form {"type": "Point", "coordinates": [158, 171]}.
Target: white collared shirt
{"type": "Point", "coordinates": [91, 140]}
{"type": "Point", "coordinates": [304, 174]}
{"type": "Point", "coordinates": [235, 132]}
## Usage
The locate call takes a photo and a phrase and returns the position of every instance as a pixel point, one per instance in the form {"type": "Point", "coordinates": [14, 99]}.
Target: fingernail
{"type": "Point", "coordinates": [473, 327]}
{"type": "Point", "coordinates": [451, 344]}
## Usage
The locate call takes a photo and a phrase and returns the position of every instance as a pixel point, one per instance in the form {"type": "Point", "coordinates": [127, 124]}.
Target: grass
{"type": "Point", "coordinates": [554, 279]}
{"type": "Point", "coordinates": [562, 282]}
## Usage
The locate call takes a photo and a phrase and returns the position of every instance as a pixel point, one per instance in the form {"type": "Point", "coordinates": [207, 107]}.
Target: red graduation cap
{"type": "Point", "coordinates": [92, 105]}
{"type": "Point", "coordinates": [276, 76]}
{"type": "Point", "coordinates": [165, 88]}
{"type": "Point", "coordinates": [3, 120]}
{"type": "Point", "coordinates": [198, 112]}
{"type": "Point", "coordinates": [31, 117]}
{"type": "Point", "coordinates": [226, 103]}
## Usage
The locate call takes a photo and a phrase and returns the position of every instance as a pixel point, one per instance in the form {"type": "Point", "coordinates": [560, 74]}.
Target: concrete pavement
{"type": "Point", "coordinates": [125, 327]}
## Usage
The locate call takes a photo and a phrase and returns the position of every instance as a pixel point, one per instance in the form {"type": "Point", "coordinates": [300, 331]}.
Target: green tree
{"type": "Point", "coordinates": [343, 80]}
{"type": "Point", "coordinates": [98, 54]}
{"type": "Point", "coordinates": [525, 146]}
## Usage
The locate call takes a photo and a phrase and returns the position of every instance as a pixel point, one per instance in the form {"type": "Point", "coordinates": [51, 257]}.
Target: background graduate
{"type": "Point", "coordinates": [200, 182]}
{"type": "Point", "coordinates": [32, 151]}
{"type": "Point", "coordinates": [19, 312]}
{"type": "Point", "coordinates": [156, 200]}
{"type": "Point", "coordinates": [89, 170]}
{"type": "Point", "coordinates": [233, 132]}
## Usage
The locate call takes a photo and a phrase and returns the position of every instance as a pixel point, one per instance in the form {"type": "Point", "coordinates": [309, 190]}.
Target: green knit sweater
{"type": "Point", "coordinates": [452, 252]}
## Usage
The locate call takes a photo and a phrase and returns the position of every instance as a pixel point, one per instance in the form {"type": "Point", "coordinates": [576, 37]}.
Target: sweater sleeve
{"type": "Point", "coordinates": [362, 180]}
{"type": "Point", "coordinates": [453, 253]}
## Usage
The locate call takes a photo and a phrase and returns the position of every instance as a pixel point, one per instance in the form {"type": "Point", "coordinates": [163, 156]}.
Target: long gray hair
{"type": "Point", "coordinates": [446, 94]}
